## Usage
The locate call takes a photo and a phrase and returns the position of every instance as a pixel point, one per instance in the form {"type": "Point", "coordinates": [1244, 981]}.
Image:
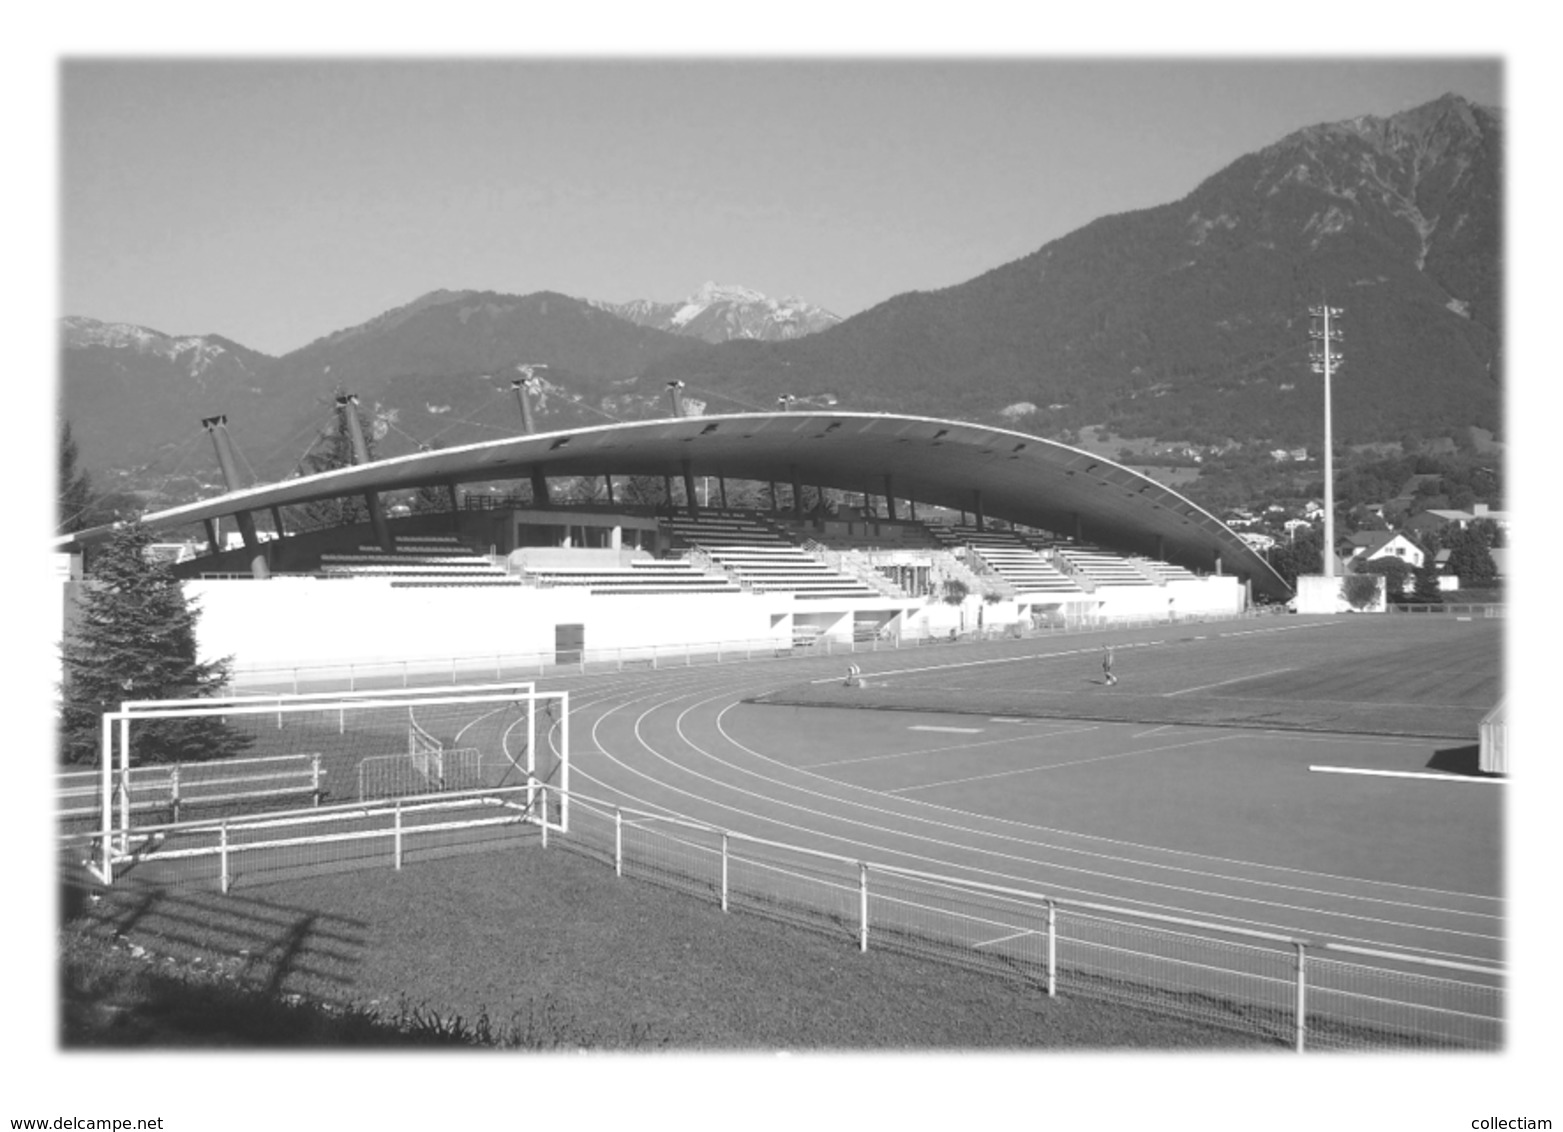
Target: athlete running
{"type": "Point", "coordinates": [1107, 665]}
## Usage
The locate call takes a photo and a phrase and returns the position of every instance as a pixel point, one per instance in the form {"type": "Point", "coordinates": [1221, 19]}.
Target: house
{"type": "Point", "coordinates": [1448, 581]}
{"type": "Point", "coordinates": [1369, 545]}
{"type": "Point", "coordinates": [1438, 518]}
{"type": "Point", "coordinates": [1294, 525]}
{"type": "Point", "coordinates": [1257, 541]}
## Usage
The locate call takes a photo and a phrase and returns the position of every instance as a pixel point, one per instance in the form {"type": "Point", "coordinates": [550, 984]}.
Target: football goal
{"type": "Point", "coordinates": [171, 763]}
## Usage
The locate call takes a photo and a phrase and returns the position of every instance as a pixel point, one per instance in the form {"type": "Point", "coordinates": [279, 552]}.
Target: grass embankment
{"type": "Point", "coordinates": [532, 949]}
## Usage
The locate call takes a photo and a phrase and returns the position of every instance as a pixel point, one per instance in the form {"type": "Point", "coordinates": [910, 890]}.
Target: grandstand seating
{"type": "Point", "coordinates": [1102, 567]}
{"type": "Point", "coordinates": [760, 557]}
{"type": "Point", "coordinates": [1163, 571]}
{"type": "Point", "coordinates": [440, 560]}
{"type": "Point", "coordinates": [639, 576]}
{"type": "Point", "coordinates": [1010, 557]}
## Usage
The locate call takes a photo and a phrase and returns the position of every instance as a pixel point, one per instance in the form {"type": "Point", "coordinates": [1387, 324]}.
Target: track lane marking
{"type": "Point", "coordinates": [1224, 683]}
{"type": "Point", "coordinates": [811, 767]}
{"type": "Point", "coordinates": [1060, 766]}
{"type": "Point", "coordinates": [1404, 774]}
{"type": "Point", "coordinates": [861, 828]}
{"type": "Point", "coordinates": [605, 712]}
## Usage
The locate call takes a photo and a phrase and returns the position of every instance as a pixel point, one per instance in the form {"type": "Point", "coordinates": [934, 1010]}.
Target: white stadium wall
{"type": "Point", "coordinates": [290, 622]}
{"type": "Point", "coordinates": [297, 621]}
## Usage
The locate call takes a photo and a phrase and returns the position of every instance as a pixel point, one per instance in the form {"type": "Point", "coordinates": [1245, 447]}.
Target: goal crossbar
{"type": "Point", "coordinates": [506, 706]}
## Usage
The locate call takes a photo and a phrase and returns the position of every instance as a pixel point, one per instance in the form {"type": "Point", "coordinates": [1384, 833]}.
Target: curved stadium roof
{"type": "Point", "coordinates": [1004, 474]}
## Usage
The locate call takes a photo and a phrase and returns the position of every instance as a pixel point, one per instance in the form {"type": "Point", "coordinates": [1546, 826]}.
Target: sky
{"type": "Point", "coordinates": [276, 201]}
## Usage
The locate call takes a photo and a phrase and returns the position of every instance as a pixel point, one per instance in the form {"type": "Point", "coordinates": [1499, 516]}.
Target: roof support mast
{"type": "Point", "coordinates": [347, 405]}
{"type": "Point", "coordinates": [217, 427]}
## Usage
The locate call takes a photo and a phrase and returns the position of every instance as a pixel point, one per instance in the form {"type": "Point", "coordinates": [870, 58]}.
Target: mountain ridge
{"type": "Point", "coordinates": [1183, 321]}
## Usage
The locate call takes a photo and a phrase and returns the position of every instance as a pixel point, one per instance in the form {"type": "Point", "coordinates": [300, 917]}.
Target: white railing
{"type": "Point", "coordinates": [173, 786]}
{"type": "Point", "coordinates": [1301, 993]}
{"type": "Point", "coordinates": [354, 675]}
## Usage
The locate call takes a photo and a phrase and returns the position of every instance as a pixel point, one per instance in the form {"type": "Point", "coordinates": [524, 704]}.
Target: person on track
{"type": "Point", "coordinates": [1107, 665]}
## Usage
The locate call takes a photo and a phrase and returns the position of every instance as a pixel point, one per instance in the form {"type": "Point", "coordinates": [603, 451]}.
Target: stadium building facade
{"type": "Point", "coordinates": [1013, 529]}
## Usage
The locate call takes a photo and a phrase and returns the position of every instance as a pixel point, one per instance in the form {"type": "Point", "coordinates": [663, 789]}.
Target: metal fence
{"type": "Point", "coordinates": [1295, 992]}
{"type": "Point", "coordinates": [1305, 994]}
{"type": "Point", "coordinates": [1486, 610]}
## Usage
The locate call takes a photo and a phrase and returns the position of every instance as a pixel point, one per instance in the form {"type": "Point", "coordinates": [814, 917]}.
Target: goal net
{"type": "Point", "coordinates": [279, 753]}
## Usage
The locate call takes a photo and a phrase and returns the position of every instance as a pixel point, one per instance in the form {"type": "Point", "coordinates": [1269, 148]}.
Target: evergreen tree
{"type": "Point", "coordinates": [1304, 555]}
{"type": "Point", "coordinates": [1427, 591]}
{"type": "Point", "coordinates": [135, 640]}
{"type": "Point", "coordinates": [75, 487]}
{"type": "Point", "coordinates": [334, 449]}
{"type": "Point", "coordinates": [1470, 559]}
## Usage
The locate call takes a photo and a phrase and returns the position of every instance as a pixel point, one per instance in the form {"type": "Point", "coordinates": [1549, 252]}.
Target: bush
{"type": "Point", "coordinates": [1360, 590]}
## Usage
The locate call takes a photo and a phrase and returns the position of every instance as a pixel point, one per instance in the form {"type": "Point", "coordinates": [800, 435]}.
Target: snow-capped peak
{"type": "Point", "coordinates": [721, 311]}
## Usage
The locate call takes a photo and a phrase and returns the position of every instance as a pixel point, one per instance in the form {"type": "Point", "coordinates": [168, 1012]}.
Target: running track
{"type": "Point", "coordinates": [956, 794]}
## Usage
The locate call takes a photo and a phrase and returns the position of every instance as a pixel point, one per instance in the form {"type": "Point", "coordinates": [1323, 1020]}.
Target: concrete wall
{"type": "Point", "coordinates": [300, 621]}
{"type": "Point", "coordinates": [287, 622]}
{"type": "Point", "coordinates": [1318, 594]}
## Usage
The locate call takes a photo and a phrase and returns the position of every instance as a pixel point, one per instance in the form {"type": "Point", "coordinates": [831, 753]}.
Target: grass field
{"type": "Point", "coordinates": [545, 943]}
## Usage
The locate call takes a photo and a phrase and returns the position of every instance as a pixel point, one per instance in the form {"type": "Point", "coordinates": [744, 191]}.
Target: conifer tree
{"type": "Point", "coordinates": [1427, 591]}
{"type": "Point", "coordinates": [334, 449]}
{"type": "Point", "coordinates": [75, 487]}
{"type": "Point", "coordinates": [135, 640]}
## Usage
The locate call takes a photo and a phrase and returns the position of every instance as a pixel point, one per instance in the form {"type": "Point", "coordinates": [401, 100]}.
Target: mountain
{"type": "Point", "coordinates": [437, 369]}
{"type": "Point", "coordinates": [720, 312]}
{"type": "Point", "coordinates": [1189, 320]}
{"type": "Point", "coordinates": [1184, 322]}
{"type": "Point", "coordinates": [135, 395]}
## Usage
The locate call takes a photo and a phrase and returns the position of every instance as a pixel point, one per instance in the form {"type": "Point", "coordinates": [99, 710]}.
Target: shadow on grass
{"type": "Point", "coordinates": [113, 998]}
{"type": "Point", "coordinates": [151, 966]}
{"type": "Point", "coordinates": [260, 944]}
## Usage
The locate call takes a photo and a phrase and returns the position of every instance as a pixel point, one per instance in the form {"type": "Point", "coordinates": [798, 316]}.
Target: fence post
{"type": "Point", "coordinates": [862, 899]}
{"type": "Point", "coordinates": [396, 837]}
{"type": "Point", "coordinates": [724, 871]}
{"type": "Point", "coordinates": [314, 766]}
{"type": "Point", "coordinates": [1302, 996]}
{"type": "Point", "coordinates": [618, 842]}
{"type": "Point", "coordinates": [106, 802]}
{"type": "Point", "coordinates": [542, 801]}
{"type": "Point", "coordinates": [222, 855]}
{"type": "Point", "coordinates": [1052, 950]}
{"type": "Point", "coordinates": [124, 784]}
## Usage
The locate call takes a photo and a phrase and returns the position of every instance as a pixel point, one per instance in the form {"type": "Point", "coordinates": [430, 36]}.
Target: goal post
{"type": "Point", "coordinates": [277, 753]}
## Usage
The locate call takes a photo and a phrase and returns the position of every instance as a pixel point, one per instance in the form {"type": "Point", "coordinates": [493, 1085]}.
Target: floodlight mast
{"type": "Point", "coordinates": [1325, 359]}
{"type": "Point", "coordinates": [525, 385]}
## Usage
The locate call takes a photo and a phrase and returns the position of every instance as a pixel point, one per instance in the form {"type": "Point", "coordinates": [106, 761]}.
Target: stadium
{"type": "Point", "coordinates": [882, 716]}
